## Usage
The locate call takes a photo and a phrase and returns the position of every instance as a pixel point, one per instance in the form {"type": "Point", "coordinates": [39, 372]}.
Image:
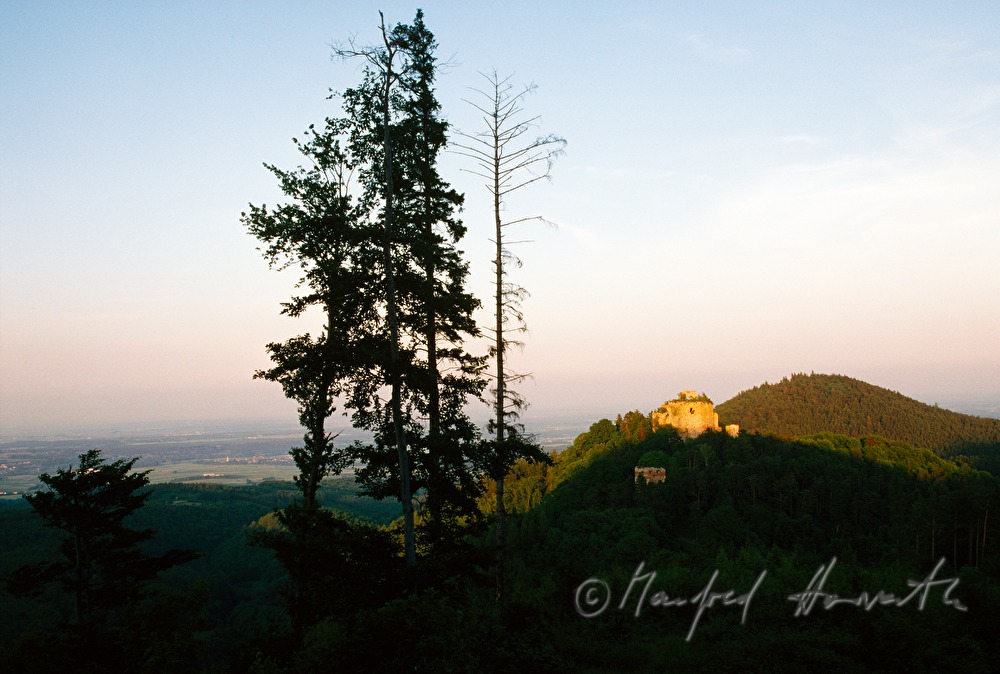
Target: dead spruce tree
{"type": "Point", "coordinates": [509, 158]}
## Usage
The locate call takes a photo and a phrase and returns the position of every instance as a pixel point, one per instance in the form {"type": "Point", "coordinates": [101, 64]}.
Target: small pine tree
{"type": "Point", "coordinates": [102, 565]}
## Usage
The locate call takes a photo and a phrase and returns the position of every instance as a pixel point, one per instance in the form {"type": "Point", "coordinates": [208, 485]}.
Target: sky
{"type": "Point", "coordinates": [749, 190]}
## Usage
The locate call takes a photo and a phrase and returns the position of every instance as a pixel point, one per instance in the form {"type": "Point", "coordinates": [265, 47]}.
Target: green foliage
{"type": "Point", "coordinates": [634, 426]}
{"type": "Point", "coordinates": [322, 232]}
{"type": "Point", "coordinates": [109, 575]}
{"type": "Point", "coordinates": [230, 596]}
{"type": "Point", "coordinates": [423, 439]}
{"type": "Point", "coordinates": [603, 435]}
{"type": "Point", "coordinates": [102, 565]}
{"type": "Point", "coordinates": [810, 404]}
{"type": "Point", "coordinates": [738, 506]}
{"type": "Point", "coordinates": [921, 463]}
{"type": "Point", "coordinates": [335, 564]}
{"type": "Point", "coordinates": [654, 459]}
{"type": "Point", "coordinates": [698, 398]}
{"type": "Point", "coordinates": [885, 509]}
{"type": "Point", "coordinates": [526, 485]}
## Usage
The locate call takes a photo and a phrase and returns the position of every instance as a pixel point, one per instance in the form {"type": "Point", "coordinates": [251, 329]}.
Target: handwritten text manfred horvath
{"type": "Point", "coordinates": [593, 596]}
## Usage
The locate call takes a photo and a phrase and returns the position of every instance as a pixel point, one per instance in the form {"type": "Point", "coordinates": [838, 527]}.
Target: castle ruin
{"type": "Point", "coordinates": [691, 414]}
{"type": "Point", "coordinates": [650, 474]}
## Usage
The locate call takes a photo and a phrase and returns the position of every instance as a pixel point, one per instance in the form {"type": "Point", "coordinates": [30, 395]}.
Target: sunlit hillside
{"type": "Point", "coordinates": [805, 404]}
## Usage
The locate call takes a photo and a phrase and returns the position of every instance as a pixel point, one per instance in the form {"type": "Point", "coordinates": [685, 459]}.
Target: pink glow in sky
{"type": "Point", "coordinates": [748, 191]}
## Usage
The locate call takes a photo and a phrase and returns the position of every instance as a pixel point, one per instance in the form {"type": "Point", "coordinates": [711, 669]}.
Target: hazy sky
{"type": "Point", "coordinates": [749, 190]}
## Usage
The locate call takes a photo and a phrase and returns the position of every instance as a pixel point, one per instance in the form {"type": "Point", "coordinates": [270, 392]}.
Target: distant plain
{"type": "Point", "coordinates": [229, 453]}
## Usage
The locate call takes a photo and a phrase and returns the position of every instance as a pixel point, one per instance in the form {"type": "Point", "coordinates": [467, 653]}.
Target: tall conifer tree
{"type": "Point", "coordinates": [442, 307]}
{"type": "Point", "coordinates": [398, 131]}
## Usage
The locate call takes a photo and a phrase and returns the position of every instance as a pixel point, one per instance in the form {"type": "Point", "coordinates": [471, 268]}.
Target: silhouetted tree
{"type": "Point", "coordinates": [102, 565]}
{"type": "Point", "coordinates": [442, 308]}
{"type": "Point", "coordinates": [336, 565]}
{"type": "Point", "coordinates": [398, 132]}
{"type": "Point", "coordinates": [508, 159]}
{"type": "Point", "coordinates": [372, 140]}
{"type": "Point", "coordinates": [322, 232]}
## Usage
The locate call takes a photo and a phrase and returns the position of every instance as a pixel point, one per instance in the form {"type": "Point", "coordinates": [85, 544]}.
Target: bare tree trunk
{"type": "Point", "coordinates": [318, 432]}
{"type": "Point", "coordinates": [501, 393]}
{"type": "Point", "coordinates": [317, 427]}
{"type": "Point", "coordinates": [508, 161]}
{"type": "Point", "coordinates": [395, 376]}
{"type": "Point", "coordinates": [430, 335]}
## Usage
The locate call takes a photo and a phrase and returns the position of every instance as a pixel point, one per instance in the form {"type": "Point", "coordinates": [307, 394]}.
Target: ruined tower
{"type": "Point", "coordinates": [691, 413]}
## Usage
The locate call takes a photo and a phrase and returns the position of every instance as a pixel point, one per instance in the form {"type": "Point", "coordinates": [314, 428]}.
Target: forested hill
{"type": "Point", "coordinates": [807, 404]}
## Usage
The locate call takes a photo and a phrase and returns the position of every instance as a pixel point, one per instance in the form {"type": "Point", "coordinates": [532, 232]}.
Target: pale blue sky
{"type": "Point", "coordinates": [749, 190]}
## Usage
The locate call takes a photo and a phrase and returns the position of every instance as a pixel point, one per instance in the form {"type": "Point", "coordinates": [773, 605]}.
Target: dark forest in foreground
{"type": "Point", "coordinates": [888, 512]}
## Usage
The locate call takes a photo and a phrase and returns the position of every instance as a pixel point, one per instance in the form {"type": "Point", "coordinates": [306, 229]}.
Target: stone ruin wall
{"type": "Point", "coordinates": [650, 475]}
{"type": "Point", "coordinates": [691, 414]}
{"type": "Point", "coordinates": [691, 418]}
